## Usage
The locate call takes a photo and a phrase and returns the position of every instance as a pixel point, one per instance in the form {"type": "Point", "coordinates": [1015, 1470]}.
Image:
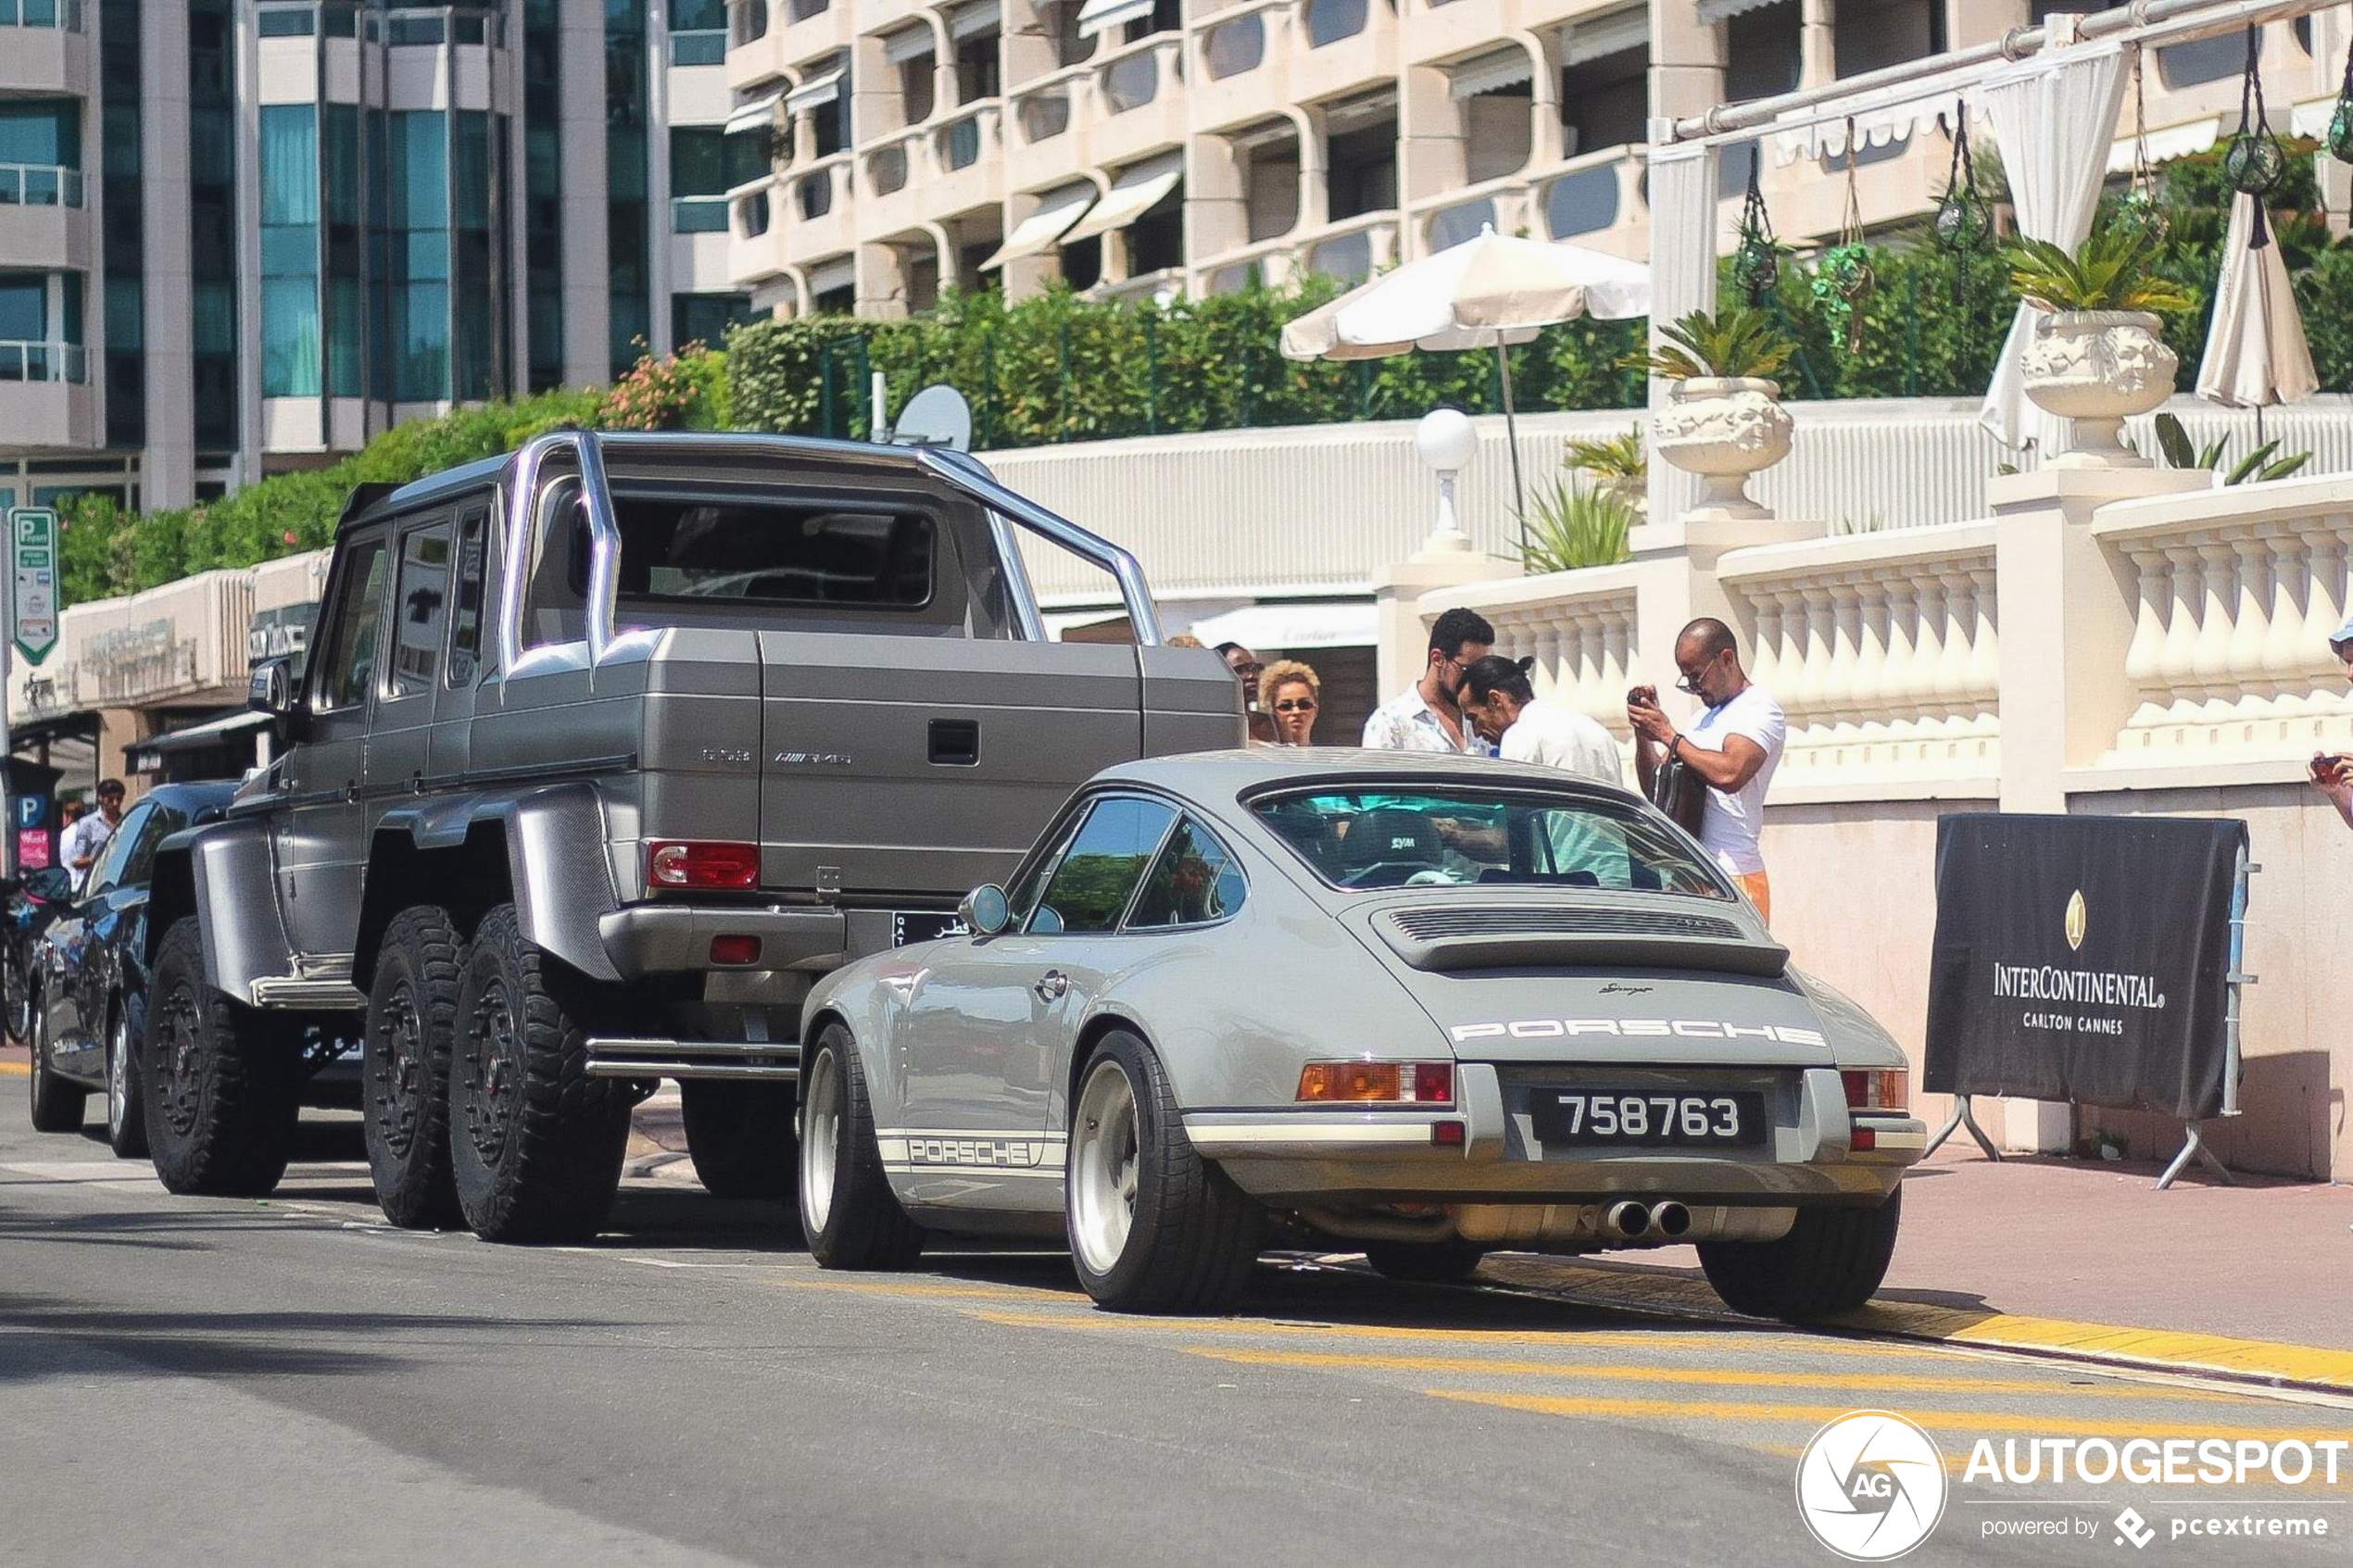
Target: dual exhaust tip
{"type": "Point", "coordinates": [1629, 1221]}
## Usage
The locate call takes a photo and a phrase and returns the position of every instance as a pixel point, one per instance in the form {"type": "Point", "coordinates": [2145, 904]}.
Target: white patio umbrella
{"type": "Point", "coordinates": [1486, 293]}
{"type": "Point", "coordinates": [2255, 353]}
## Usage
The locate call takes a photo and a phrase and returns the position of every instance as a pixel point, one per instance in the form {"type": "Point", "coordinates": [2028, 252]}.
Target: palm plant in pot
{"type": "Point", "coordinates": [2097, 356]}
{"type": "Point", "coordinates": [1723, 419]}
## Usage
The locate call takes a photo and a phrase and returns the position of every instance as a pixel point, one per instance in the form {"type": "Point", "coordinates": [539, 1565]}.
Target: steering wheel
{"type": "Point", "coordinates": [1386, 873]}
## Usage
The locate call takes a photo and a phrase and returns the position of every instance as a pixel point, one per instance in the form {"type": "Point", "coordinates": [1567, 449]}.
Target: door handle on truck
{"type": "Point", "coordinates": [1051, 985]}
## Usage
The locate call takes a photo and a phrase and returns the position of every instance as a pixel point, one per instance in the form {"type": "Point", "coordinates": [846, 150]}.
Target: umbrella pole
{"type": "Point", "coordinates": [1511, 439]}
{"type": "Point", "coordinates": [2258, 424]}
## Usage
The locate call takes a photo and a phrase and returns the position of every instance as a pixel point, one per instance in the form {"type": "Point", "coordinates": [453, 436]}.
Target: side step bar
{"type": "Point", "coordinates": [772, 1061]}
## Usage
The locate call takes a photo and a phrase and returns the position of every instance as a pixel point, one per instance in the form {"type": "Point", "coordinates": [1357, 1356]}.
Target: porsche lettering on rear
{"type": "Point", "coordinates": [1635, 1029]}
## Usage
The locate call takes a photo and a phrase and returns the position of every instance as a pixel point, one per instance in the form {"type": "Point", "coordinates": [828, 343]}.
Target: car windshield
{"type": "Point", "coordinates": [1361, 839]}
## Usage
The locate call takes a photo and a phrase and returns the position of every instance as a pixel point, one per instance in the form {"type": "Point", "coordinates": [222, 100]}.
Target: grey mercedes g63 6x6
{"type": "Point", "coordinates": [605, 752]}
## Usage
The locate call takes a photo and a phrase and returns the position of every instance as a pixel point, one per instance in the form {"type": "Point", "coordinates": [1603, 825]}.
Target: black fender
{"type": "Point", "coordinates": [542, 848]}
{"type": "Point", "coordinates": [224, 873]}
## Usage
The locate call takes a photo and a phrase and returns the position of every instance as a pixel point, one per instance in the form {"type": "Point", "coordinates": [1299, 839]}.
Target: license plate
{"type": "Point", "coordinates": [1649, 1119]}
{"type": "Point", "coordinates": [924, 925]}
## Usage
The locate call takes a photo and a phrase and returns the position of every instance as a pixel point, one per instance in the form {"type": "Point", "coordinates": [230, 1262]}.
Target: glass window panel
{"type": "Point", "coordinates": [45, 132]}
{"type": "Point", "coordinates": [465, 638]}
{"type": "Point", "coordinates": [24, 309]}
{"type": "Point", "coordinates": [286, 24]}
{"type": "Point", "coordinates": [420, 613]}
{"type": "Point", "coordinates": [420, 170]}
{"type": "Point", "coordinates": [698, 161]}
{"type": "Point", "coordinates": [470, 171]}
{"type": "Point", "coordinates": [289, 337]}
{"type": "Point", "coordinates": [427, 254]}
{"type": "Point", "coordinates": [351, 645]}
{"type": "Point", "coordinates": [1106, 861]}
{"type": "Point", "coordinates": [216, 319]}
{"type": "Point", "coordinates": [1194, 882]}
{"type": "Point", "coordinates": [422, 327]}
{"type": "Point", "coordinates": [289, 253]}
{"type": "Point", "coordinates": [126, 320]}
{"type": "Point", "coordinates": [340, 153]}
{"type": "Point", "coordinates": [749, 156]}
{"type": "Point", "coordinates": [347, 328]}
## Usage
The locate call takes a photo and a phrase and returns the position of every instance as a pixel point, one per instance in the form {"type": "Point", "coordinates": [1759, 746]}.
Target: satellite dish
{"type": "Point", "coordinates": [938, 416]}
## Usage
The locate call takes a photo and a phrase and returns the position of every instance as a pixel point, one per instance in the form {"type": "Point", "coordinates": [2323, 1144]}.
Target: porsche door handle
{"type": "Point", "coordinates": [1051, 985]}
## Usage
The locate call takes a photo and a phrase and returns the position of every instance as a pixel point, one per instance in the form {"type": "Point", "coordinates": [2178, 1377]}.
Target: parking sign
{"type": "Point", "coordinates": [32, 581]}
{"type": "Point", "coordinates": [32, 811]}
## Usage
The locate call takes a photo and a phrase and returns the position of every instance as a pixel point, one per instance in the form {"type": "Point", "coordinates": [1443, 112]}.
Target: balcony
{"type": "Point", "coordinates": [47, 47]}
{"type": "Point", "coordinates": [44, 225]}
{"type": "Point", "coordinates": [702, 47]}
{"type": "Point", "coordinates": [1343, 46]}
{"type": "Point", "coordinates": [1242, 60]}
{"type": "Point", "coordinates": [1350, 251]}
{"type": "Point", "coordinates": [949, 166]}
{"type": "Point", "coordinates": [755, 237]}
{"type": "Point", "coordinates": [1595, 200]}
{"type": "Point", "coordinates": [46, 396]}
{"type": "Point", "coordinates": [820, 209]}
{"type": "Point", "coordinates": [1139, 100]}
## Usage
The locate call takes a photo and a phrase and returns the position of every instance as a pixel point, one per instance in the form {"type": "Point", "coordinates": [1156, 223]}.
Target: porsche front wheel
{"type": "Point", "coordinates": [1153, 1227]}
{"type": "Point", "coordinates": [848, 1213]}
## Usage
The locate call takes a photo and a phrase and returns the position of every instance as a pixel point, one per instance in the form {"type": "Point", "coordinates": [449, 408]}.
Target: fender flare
{"type": "Point", "coordinates": [224, 874]}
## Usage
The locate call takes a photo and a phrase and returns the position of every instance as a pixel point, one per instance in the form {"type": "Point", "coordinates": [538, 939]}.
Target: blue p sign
{"type": "Point", "coordinates": [31, 810]}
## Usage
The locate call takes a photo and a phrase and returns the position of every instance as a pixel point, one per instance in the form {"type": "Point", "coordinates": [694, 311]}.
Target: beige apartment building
{"type": "Point", "coordinates": [1138, 147]}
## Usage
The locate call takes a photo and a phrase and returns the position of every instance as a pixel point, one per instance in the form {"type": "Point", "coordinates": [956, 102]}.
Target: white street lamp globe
{"type": "Point", "coordinates": [1446, 440]}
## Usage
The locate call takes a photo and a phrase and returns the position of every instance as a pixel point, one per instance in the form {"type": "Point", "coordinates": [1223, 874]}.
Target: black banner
{"type": "Point", "coordinates": [2083, 959]}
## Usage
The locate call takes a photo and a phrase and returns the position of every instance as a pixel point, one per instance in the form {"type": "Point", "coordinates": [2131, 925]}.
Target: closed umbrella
{"type": "Point", "coordinates": [2256, 354]}
{"type": "Point", "coordinates": [1486, 293]}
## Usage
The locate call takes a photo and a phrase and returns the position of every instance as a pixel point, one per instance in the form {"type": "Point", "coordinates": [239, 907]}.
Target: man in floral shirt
{"type": "Point", "coordinates": [1429, 717]}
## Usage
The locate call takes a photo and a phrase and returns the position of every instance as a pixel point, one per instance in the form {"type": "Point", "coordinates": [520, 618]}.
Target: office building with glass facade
{"type": "Point", "coordinates": [241, 235]}
{"type": "Point", "coordinates": [1136, 148]}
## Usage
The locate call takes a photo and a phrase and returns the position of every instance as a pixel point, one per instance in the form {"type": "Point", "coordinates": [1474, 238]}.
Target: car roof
{"type": "Point", "coordinates": [1223, 776]}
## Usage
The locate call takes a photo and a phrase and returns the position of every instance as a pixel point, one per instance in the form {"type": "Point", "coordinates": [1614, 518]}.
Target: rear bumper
{"type": "Point", "coordinates": [643, 939]}
{"type": "Point", "coordinates": [1391, 1157]}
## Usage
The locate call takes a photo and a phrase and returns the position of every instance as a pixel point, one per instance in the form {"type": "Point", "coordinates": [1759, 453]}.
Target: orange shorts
{"type": "Point", "coordinates": [1760, 893]}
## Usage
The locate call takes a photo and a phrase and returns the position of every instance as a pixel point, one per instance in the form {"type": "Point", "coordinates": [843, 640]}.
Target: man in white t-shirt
{"type": "Point", "coordinates": [1499, 698]}
{"type": "Point", "coordinates": [1733, 745]}
{"type": "Point", "coordinates": [79, 848]}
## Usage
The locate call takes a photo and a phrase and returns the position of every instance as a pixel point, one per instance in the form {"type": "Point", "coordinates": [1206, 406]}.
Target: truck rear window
{"type": "Point", "coordinates": [774, 552]}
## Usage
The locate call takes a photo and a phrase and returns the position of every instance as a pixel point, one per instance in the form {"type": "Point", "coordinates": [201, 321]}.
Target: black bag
{"type": "Point", "coordinates": [1679, 793]}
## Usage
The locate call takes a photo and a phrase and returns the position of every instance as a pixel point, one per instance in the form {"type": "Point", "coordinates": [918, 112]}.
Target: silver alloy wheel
{"type": "Point", "coordinates": [1103, 1158]}
{"type": "Point", "coordinates": [119, 1076]}
{"type": "Point", "coordinates": [820, 1129]}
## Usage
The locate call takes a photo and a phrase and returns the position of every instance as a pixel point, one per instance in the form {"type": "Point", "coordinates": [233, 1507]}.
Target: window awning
{"type": "Point", "coordinates": [1132, 195]}
{"type": "Point", "coordinates": [908, 44]}
{"type": "Point", "coordinates": [1498, 68]}
{"type": "Point", "coordinates": [1101, 15]}
{"type": "Point", "coordinates": [1291, 628]}
{"type": "Point", "coordinates": [758, 115]}
{"type": "Point", "coordinates": [2174, 141]}
{"type": "Point", "coordinates": [815, 94]}
{"type": "Point", "coordinates": [1043, 227]}
{"type": "Point", "coordinates": [827, 276]}
{"type": "Point", "coordinates": [1617, 33]}
{"type": "Point", "coordinates": [1711, 11]}
{"type": "Point", "coordinates": [974, 21]}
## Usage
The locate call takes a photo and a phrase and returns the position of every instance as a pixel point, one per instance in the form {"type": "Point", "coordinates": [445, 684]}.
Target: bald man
{"type": "Point", "coordinates": [1733, 745]}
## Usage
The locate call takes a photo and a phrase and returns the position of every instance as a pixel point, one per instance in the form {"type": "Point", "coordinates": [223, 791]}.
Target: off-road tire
{"type": "Point", "coordinates": [126, 1090]}
{"type": "Point", "coordinates": [1829, 1263]}
{"type": "Point", "coordinates": [58, 1104]}
{"type": "Point", "coordinates": [535, 1144]}
{"type": "Point", "coordinates": [1424, 1262]}
{"type": "Point", "coordinates": [740, 1137]}
{"type": "Point", "coordinates": [221, 1079]}
{"type": "Point", "coordinates": [404, 1069]}
{"type": "Point", "coordinates": [849, 1214]}
{"type": "Point", "coordinates": [1193, 1236]}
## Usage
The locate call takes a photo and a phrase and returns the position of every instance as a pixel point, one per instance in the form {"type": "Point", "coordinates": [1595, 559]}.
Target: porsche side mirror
{"type": "Point", "coordinates": [985, 910]}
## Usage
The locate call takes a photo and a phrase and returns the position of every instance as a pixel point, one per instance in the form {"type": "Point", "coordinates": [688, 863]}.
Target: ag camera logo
{"type": "Point", "coordinates": [1870, 1486]}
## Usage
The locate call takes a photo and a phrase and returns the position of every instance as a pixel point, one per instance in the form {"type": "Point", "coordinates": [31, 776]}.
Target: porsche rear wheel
{"type": "Point", "coordinates": [1153, 1227]}
{"type": "Point", "coordinates": [847, 1212]}
{"type": "Point", "coordinates": [1829, 1263]}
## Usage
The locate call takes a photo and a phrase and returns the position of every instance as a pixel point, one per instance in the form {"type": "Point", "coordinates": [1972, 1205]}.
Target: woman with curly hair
{"type": "Point", "coordinates": [1290, 691]}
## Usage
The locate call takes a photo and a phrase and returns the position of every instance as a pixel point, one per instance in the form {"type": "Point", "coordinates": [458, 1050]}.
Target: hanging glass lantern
{"type": "Point", "coordinates": [2256, 162]}
{"type": "Point", "coordinates": [2341, 122]}
{"type": "Point", "coordinates": [1964, 219]}
{"type": "Point", "coordinates": [1756, 260]}
{"type": "Point", "coordinates": [2139, 214]}
{"type": "Point", "coordinates": [1842, 279]}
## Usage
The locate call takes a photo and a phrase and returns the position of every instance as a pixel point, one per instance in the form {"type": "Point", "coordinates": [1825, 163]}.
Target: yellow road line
{"type": "Point", "coordinates": [1561, 1338]}
{"type": "Point", "coordinates": [1954, 1421]}
{"type": "Point", "coordinates": [15, 1070]}
{"type": "Point", "coordinates": [2308, 1365]}
{"type": "Point", "coordinates": [913, 1288]}
{"type": "Point", "coordinates": [1894, 1383]}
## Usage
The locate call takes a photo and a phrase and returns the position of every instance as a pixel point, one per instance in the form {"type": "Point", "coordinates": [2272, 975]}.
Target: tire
{"type": "Point", "coordinates": [58, 1104]}
{"type": "Point", "coordinates": [1153, 1227]}
{"type": "Point", "coordinates": [19, 996]}
{"type": "Point", "coordinates": [847, 1212]}
{"type": "Point", "coordinates": [1829, 1263]}
{"type": "Point", "coordinates": [740, 1137]}
{"type": "Point", "coordinates": [535, 1144]}
{"type": "Point", "coordinates": [404, 1070]}
{"type": "Point", "coordinates": [1424, 1262]}
{"type": "Point", "coordinates": [220, 1080]}
{"type": "Point", "coordinates": [126, 1096]}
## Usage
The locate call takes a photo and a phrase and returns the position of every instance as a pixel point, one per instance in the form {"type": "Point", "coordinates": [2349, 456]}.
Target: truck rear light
{"type": "Point", "coordinates": [735, 949]}
{"type": "Point", "coordinates": [1885, 1089]}
{"type": "Point", "coordinates": [1401, 1082]}
{"type": "Point", "coordinates": [702, 863]}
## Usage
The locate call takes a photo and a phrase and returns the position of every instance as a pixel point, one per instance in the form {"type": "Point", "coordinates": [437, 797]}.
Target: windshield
{"type": "Point", "coordinates": [1360, 840]}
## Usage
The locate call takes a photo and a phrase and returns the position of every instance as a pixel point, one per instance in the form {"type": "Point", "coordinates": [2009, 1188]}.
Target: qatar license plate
{"type": "Point", "coordinates": [1649, 1118]}
{"type": "Point", "coordinates": [924, 925]}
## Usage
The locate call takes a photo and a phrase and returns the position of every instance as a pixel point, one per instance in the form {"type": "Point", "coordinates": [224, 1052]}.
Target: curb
{"type": "Point", "coordinates": [2262, 1362]}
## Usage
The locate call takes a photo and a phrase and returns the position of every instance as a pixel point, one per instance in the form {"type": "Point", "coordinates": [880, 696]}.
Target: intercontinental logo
{"type": "Point", "coordinates": [2079, 920]}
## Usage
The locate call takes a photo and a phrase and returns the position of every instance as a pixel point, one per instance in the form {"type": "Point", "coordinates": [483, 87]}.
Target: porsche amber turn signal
{"type": "Point", "coordinates": [1883, 1090]}
{"type": "Point", "coordinates": [1403, 1082]}
{"type": "Point", "coordinates": [702, 864]}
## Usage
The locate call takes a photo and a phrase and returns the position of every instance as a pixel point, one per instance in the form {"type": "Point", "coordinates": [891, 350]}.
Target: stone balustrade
{"type": "Point", "coordinates": [1578, 626]}
{"type": "Point", "coordinates": [2233, 594]}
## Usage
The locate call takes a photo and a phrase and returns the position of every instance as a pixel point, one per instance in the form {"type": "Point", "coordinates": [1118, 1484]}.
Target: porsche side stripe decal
{"type": "Point", "coordinates": [908, 1148]}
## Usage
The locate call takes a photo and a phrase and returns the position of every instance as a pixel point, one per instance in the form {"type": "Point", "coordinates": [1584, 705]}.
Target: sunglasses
{"type": "Point", "coordinates": [1296, 705]}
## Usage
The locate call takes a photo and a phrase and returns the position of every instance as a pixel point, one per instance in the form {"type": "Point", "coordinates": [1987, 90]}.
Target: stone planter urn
{"type": "Point", "coordinates": [1723, 429]}
{"type": "Point", "coordinates": [2098, 368]}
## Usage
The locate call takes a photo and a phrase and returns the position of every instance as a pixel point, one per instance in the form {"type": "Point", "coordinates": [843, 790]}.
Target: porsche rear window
{"type": "Point", "coordinates": [1361, 839]}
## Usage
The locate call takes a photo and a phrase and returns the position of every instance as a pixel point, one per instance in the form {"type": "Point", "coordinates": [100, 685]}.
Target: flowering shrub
{"type": "Point", "coordinates": [683, 391]}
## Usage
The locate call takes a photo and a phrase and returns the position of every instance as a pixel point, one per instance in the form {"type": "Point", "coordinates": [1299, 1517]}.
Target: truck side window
{"type": "Point", "coordinates": [465, 636]}
{"type": "Point", "coordinates": [421, 611]}
{"type": "Point", "coordinates": [555, 606]}
{"type": "Point", "coordinates": [350, 654]}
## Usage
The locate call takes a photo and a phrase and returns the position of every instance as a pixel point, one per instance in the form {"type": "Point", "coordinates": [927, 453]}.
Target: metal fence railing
{"type": "Point", "coordinates": [21, 361]}
{"type": "Point", "coordinates": [66, 14]}
{"type": "Point", "coordinates": [39, 184]}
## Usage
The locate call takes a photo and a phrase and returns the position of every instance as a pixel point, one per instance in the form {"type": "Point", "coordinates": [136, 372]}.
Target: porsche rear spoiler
{"type": "Point", "coordinates": [1452, 938]}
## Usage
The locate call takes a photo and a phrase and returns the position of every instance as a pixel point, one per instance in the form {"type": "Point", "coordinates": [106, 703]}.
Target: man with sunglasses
{"type": "Point", "coordinates": [1733, 745]}
{"type": "Point", "coordinates": [1430, 716]}
{"type": "Point", "coordinates": [2332, 775]}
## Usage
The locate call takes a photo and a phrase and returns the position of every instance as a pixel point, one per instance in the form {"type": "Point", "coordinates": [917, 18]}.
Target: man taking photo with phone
{"type": "Point", "coordinates": [1733, 745]}
{"type": "Point", "coordinates": [2333, 775]}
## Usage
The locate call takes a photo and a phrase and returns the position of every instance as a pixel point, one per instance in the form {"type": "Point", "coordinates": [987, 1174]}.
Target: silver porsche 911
{"type": "Point", "coordinates": [1426, 1006]}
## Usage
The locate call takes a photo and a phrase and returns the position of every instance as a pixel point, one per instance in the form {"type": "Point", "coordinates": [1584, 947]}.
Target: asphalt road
{"type": "Point", "coordinates": [186, 1381]}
